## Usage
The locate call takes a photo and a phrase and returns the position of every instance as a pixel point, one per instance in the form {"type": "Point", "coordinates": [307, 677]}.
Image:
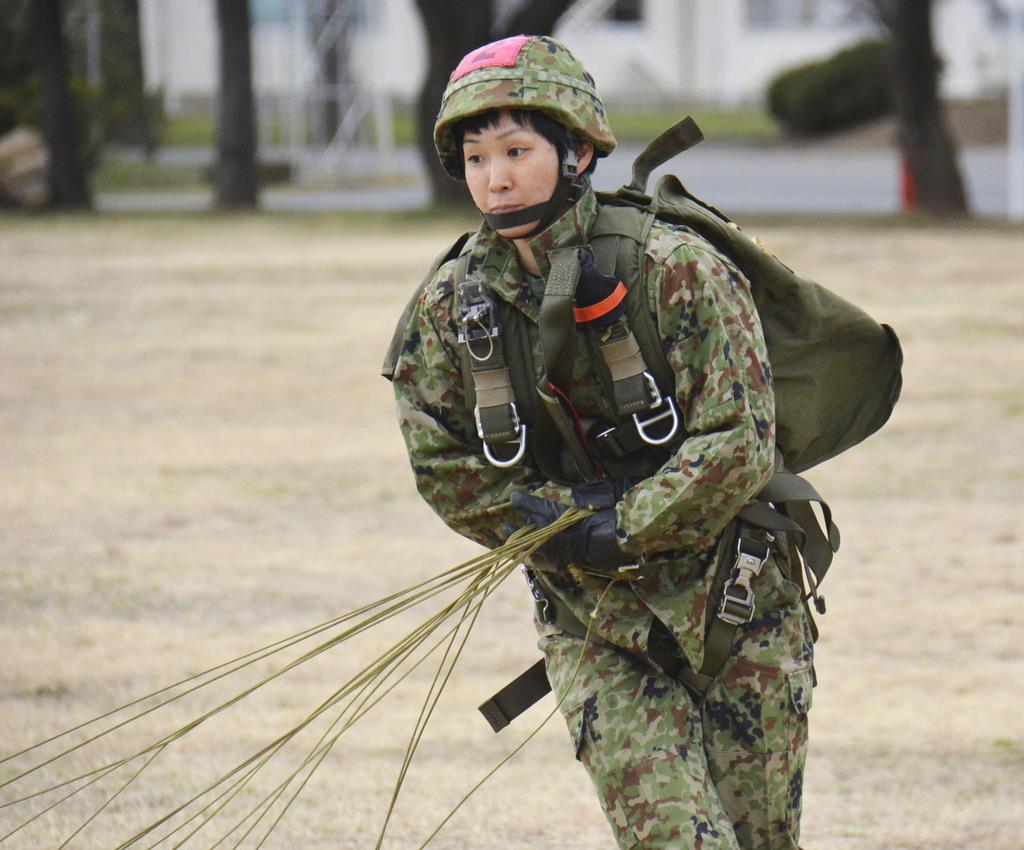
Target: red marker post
{"type": "Point", "coordinates": [908, 188]}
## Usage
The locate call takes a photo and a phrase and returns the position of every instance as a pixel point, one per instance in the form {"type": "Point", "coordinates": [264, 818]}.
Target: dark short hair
{"type": "Point", "coordinates": [555, 133]}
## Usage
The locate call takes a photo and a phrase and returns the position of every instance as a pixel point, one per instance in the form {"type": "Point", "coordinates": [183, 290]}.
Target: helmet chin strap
{"type": "Point", "coordinates": [547, 211]}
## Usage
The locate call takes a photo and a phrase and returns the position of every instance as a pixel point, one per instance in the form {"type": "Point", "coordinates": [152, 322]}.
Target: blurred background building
{"type": "Point", "coordinates": [344, 92]}
{"type": "Point", "coordinates": [720, 52]}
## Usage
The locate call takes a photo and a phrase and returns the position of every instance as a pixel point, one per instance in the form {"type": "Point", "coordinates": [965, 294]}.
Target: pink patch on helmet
{"type": "Point", "coordinates": [497, 54]}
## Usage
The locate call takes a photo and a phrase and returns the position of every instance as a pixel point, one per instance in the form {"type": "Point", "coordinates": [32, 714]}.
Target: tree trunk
{"type": "Point", "coordinates": [924, 135]}
{"type": "Point", "coordinates": [124, 76]}
{"type": "Point", "coordinates": [69, 185]}
{"type": "Point", "coordinates": [236, 178]}
{"type": "Point", "coordinates": [536, 18]}
{"type": "Point", "coordinates": [453, 29]}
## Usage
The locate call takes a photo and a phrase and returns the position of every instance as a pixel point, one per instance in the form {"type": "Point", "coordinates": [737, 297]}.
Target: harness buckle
{"type": "Point", "coordinates": [658, 401]}
{"type": "Point", "coordinates": [517, 425]}
{"type": "Point", "coordinates": [738, 605]}
{"type": "Point", "coordinates": [477, 318]}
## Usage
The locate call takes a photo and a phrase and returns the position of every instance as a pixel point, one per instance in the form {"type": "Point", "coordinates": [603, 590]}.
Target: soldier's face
{"type": "Point", "coordinates": [508, 167]}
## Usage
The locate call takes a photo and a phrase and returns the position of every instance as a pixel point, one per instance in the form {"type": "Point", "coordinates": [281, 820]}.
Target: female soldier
{"type": "Point", "coordinates": [677, 760]}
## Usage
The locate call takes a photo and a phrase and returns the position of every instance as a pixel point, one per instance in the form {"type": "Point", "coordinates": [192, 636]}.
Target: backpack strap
{"type": "Point", "coordinates": [793, 496]}
{"type": "Point", "coordinates": [617, 240]}
{"type": "Point", "coordinates": [679, 137]}
{"type": "Point", "coordinates": [557, 326]}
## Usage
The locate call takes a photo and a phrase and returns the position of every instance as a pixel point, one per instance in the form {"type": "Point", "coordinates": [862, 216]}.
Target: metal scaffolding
{"type": "Point", "coordinates": [328, 117]}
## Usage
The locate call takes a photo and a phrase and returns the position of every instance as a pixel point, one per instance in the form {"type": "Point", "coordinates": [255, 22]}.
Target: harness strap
{"type": "Point", "coordinates": [734, 610]}
{"type": "Point", "coordinates": [556, 322]}
{"type": "Point", "coordinates": [795, 494]}
{"type": "Point", "coordinates": [493, 387]}
{"type": "Point", "coordinates": [480, 335]}
{"type": "Point", "coordinates": [621, 354]}
{"type": "Point", "coordinates": [517, 696]}
{"type": "Point", "coordinates": [496, 416]}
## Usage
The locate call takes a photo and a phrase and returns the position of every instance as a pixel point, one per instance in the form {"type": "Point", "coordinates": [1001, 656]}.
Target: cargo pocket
{"type": "Point", "coordinates": [801, 696]}
{"type": "Point", "coordinates": [801, 689]}
{"type": "Point", "coordinates": [584, 745]}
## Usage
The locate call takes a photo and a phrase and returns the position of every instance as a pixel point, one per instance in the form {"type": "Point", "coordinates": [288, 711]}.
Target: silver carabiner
{"type": "Point", "coordinates": [657, 401]}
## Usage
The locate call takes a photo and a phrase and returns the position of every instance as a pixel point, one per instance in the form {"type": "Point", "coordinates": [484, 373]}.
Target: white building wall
{"type": "Point", "coordinates": [180, 48]}
{"type": "Point", "coordinates": [638, 62]}
{"type": "Point", "coordinates": [683, 50]}
{"type": "Point", "coordinates": [974, 54]}
{"type": "Point", "coordinates": [392, 55]}
{"type": "Point", "coordinates": [738, 60]}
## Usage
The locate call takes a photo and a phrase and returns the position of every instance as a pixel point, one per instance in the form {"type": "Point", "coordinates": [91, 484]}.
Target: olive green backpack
{"type": "Point", "coordinates": [836, 371]}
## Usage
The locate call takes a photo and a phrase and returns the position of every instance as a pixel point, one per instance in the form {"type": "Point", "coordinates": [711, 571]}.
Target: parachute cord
{"type": "Point", "coordinates": [376, 619]}
{"type": "Point", "coordinates": [242, 661]}
{"type": "Point", "coordinates": [112, 797]}
{"type": "Point", "coordinates": [535, 732]}
{"type": "Point", "coordinates": [433, 695]}
{"type": "Point", "coordinates": [360, 694]}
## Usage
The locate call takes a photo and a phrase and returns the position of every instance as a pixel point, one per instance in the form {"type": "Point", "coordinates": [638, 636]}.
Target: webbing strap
{"type": "Point", "coordinates": [556, 322]}
{"type": "Point", "coordinates": [488, 377]}
{"type": "Point", "coordinates": [493, 386]}
{"type": "Point", "coordinates": [676, 139]}
{"type": "Point", "coordinates": [621, 354]}
{"type": "Point", "coordinates": [495, 412]}
{"type": "Point", "coordinates": [794, 495]}
{"type": "Point", "coordinates": [618, 240]}
{"type": "Point", "coordinates": [526, 689]}
{"type": "Point", "coordinates": [517, 696]}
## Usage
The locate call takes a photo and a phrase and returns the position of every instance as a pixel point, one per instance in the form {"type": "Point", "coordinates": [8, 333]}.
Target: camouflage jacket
{"type": "Point", "coordinates": [671, 520]}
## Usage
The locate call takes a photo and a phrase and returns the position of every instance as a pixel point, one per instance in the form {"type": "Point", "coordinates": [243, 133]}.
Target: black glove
{"type": "Point", "coordinates": [594, 288]}
{"type": "Point", "coordinates": [592, 542]}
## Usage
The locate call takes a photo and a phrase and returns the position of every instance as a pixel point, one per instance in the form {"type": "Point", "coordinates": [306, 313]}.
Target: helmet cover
{"type": "Point", "coordinates": [522, 72]}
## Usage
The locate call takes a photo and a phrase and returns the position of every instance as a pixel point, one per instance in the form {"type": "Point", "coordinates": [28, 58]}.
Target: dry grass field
{"type": "Point", "coordinates": [197, 457]}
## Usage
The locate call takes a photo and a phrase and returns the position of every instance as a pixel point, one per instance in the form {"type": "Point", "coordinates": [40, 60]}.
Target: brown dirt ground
{"type": "Point", "coordinates": [199, 457]}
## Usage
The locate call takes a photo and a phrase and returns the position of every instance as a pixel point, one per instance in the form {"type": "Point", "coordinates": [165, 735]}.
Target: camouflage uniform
{"type": "Point", "coordinates": [671, 771]}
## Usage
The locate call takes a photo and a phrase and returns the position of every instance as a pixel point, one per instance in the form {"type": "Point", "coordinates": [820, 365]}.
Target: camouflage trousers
{"type": "Point", "coordinates": [723, 773]}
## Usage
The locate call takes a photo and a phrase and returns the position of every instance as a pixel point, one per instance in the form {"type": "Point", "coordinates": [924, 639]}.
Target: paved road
{"type": "Point", "coordinates": [738, 180]}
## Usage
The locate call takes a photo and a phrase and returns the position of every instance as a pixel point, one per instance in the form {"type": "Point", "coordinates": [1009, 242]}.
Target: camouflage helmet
{"type": "Point", "coordinates": [522, 72]}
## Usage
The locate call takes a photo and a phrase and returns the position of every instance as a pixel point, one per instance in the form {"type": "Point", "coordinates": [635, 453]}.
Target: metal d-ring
{"type": "Point", "coordinates": [512, 461]}
{"type": "Point", "coordinates": [657, 402]}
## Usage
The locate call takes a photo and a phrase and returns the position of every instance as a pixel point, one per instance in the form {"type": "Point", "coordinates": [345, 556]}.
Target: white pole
{"type": "Point", "coordinates": [383, 127]}
{"type": "Point", "coordinates": [296, 9]}
{"type": "Point", "coordinates": [1015, 136]}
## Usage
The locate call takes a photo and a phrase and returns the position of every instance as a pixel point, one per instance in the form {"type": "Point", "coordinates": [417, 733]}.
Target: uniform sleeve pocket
{"type": "Point", "coordinates": [801, 689]}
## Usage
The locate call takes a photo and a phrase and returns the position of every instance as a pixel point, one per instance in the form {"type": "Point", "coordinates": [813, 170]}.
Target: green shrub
{"type": "Point", "coordinates": [844, 90]}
